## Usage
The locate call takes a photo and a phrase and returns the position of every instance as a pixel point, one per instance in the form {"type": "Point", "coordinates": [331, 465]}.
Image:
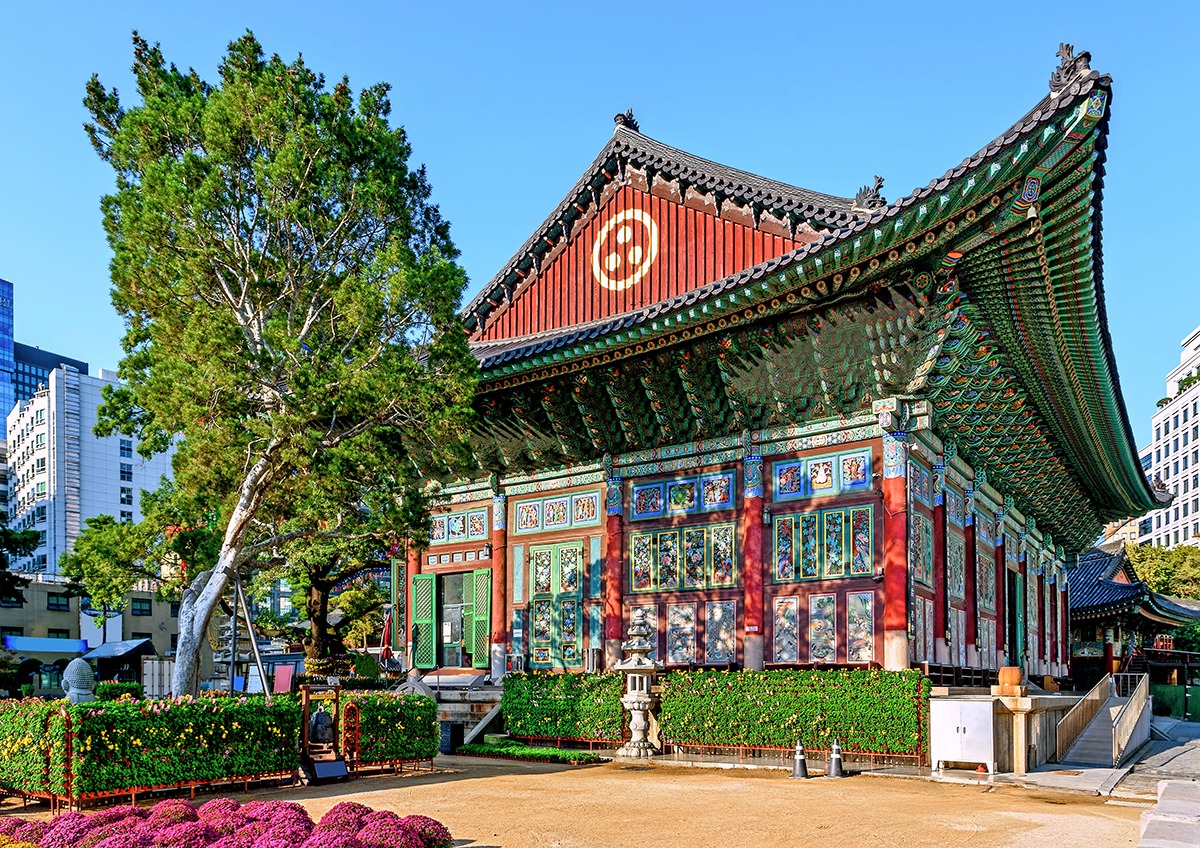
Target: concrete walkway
{"type": "Point", "coordinates": [1175, 758]}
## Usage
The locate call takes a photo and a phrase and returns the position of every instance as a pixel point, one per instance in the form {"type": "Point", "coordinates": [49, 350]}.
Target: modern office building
{"type": "Point", "coordinates": [7, 365]}
{"type": "Point", "coordinates": [32, 367]}
{"type": "Point", "coordinates": [62, 474]}
{"type": "Point", "coordinates": [1174, 454]}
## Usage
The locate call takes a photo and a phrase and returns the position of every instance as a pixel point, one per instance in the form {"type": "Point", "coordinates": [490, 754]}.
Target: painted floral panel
{"type": "Point", "coordinates": [928, 631]}
{"type": "Point", "coordinates": [570, 654]}
{"type": "Point", "coordinates": [541, 655]}
{"type": "Point", "coordinates": [723, 569]}
{"type": "Point", "coordinates": [643, 561]}
{"type": "Point", "coordinates": [918, 631]}
{"type": "Point", "coordinates": [652, 620]}
{"type": "Point", "coordinates": [529, 515]}
{"type": "Point", "coordinates": [681, 497]}
{"type": "Point", "coordinates": [956, 557]}
{"type": "Point", "coordinates": [785, 545]}
{"type": "Point", "coordinates": [820, 475]}
{"type": "Point", "coordinates": [456, 526]}
{"type": "Point", "coordinates": [477, 525]}
{"type": "Point", "coordinates": [856, 471]}
{"type": "Point", "coordinates": [437, 529]}
{"type": "Point", "coordinates": [694, 572]}
{"type": "Point", "coordinates": [921, 549]}
{"type": "Point", "coordinates": [809, 540]}
{"type": "Point", "coordinates": [720, 631]}
{"type": "Point", "coordinates": [585, 508]}
{"type": "Point", "coordinates": [822, 628]}
{"type": "Point", "coordinates": [718, 491]}
{"type": "Point", "coordinates": [681, 633]}
{"type": "Point", "coordinates": [668, 560]}
{"type": "Point", "coordinates": [985, 579]}
{"type": "Point", "coordinates": [862, 534]}
{"type": "Point", "coordinates": [985, 529]}
{"type": "Point", "coordinates": [787, 630]}
{"type": "Point", "coordinates": [555, 513]}
{"type": "Point", "coordinates": [647, 500]}
{"type": "Point", "coordinates": [542, 567]}
{"type": "Point", "coordinates": [541, 621]}
{"type": "Point", "coordinates": [568, 569]}
{"type": "Point", "coordinates": [789, 479]}
{"type": "Point", "coordinates": [835, 544]}
{"type": "Point", "coordinates": [860, 627]}
{"type": "Point", "coordinates": [568, 630]}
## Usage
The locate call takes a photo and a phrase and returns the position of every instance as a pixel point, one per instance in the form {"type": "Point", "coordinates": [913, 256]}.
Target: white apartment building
{"type": "Point", "coordinates": [1175, 454]}
{"type": "Point", "coordinates": [60, 473]}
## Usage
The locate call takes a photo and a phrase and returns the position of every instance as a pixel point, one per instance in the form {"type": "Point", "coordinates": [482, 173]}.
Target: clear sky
{"type": "Point", "coordinates": [507, 103]}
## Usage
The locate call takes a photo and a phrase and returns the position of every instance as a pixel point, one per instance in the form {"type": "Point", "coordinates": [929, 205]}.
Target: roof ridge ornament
{"type": "Point", "coordinates": [1070, 68]}
{"type": "Point", "coordinates": [868, 198]}
{"type": "Point", "coordinates": [625, 119]}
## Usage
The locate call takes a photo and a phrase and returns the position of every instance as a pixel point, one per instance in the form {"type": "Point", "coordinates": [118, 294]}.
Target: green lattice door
{"type": "Point", "coordinates": [424, 620]}
{"type": "Point", "coordinates": [555, 606]}
{"type": "Point", "coordinates": [480, 638]}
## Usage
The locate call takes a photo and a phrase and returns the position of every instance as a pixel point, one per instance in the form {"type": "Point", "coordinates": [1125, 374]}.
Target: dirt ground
{"type": "Point", "coordinates": [495, 803]}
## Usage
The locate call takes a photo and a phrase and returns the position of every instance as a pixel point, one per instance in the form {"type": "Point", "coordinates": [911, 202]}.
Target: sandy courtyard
{"type": "Point", "coordinates": [494, 803]}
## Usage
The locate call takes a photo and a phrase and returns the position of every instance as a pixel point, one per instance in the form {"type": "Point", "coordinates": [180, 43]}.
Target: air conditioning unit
{"type": "Point", "coordinates": [594, 661]}
{"type": "Point", "coordinates": [514, 662]}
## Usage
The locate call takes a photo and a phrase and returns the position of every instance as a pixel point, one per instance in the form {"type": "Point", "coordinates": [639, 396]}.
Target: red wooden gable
{"type": "Point", "coordinates": [639, 249]}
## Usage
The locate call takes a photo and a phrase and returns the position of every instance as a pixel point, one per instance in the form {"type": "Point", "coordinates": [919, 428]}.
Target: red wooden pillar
{"type": "Point", "coordinates": [1022, 605]}
{"type": "Point", "coordinates": [614, 557]}
{"type": "Point", "coordinates": [753, 648]}
{"type": "Point", "coordinates": [1052, 590]}
{"type": "Point", "coordinates": [972, 634]}
{"type": "Point", "coordinates": [895, 551]}
{"type": "Point", "coordinates": [500, 613]}
{"type": "Point", "coordinates": [1064, 613]}
{"type": "Point", "coordinates": [941, 651]}
{"type": "Point", "coordinates": [1001, 591]}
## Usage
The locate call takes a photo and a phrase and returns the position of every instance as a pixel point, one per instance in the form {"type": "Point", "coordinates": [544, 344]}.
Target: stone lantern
{"type": "Point", "coordinates": [639, 671]}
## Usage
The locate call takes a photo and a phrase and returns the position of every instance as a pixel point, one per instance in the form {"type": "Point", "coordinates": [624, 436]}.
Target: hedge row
{"type": "Point", "coordinates": [115, 690]}
{"type": "Point", "coordinates": [564, 706]}
{"type": "Point", "coordinates": [394, 727]}
{"type": "Point", "coordinates": [885, 712]}
{"type": "Point", "coordinates": [120, 746]}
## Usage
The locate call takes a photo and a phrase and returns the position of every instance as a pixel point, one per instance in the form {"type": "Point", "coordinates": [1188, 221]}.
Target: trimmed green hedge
{"type": "Point", "coordinates": [875, 711]}
{"type": "Point", "coordinates": [564, 706]}
{"type": "Point", "coordinates": [113, 691]}
{"type": "Point", "coordinates": [514, 750]}
{"type": "Point", "coordinates": [394, 727]}
{"type": "Point", "coordinates": [123, 745]}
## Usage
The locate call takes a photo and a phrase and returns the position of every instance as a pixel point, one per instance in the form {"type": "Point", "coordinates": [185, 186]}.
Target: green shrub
{"type": "Point", "coordinates": [32, 736]}
{"type": "Point", "coordinates": [866, 710]}
{"type": "Point", "coordinates": [366, 666]}
{"type": "Point", "coordinates": [394, 727]}
{"type": "Point", "coordinates": [564, 706]}
{"type": "Point", "coordinates": [113, 691]}
{"type": "Point", "coordinates": [514, 750]}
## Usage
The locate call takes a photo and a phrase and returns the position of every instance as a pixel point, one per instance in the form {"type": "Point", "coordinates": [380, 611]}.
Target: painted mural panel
{"type": "Point", "coordinates": [693, 559]}
{"type": "Point", "coordinates": [822, 628]}
{"type": "Point", "coordinates": [862, 538]}
{"type": "Point", "coordinates": [921, 548]}
{"type": "Point", "coordinates": [642, 561]}
{"type": "Point", "coordinates": [816, 476]}
{"type": "Point", "coordinates": [785, 547]}
{"type": "Point", "coordinates": [648, 501]}
{"type": "Point", "coordinates": [787, 630]}
{"type": "Point", "coordinates": [569, 626]}
{"type": "Point", "coordinates": [985, 580]}
{"type": "Point", "coordinates": [718, 491]}
{"type": "Point", "coordinates": [808, 545]}
{"type": "Point", "coordinates": [556, 514]}
{"type": "Point", "coordinates": [835, 543]}
{"type": "Point", "coordinates": [917, 647]}
{"type": "Point", "coordinates": [706, 556]}
{"type": "Point", "coordinates": [681, 633]}
{"type": "Point", "coordinates": [542, 569]}
{"type": "Point", "coordinates": [928, 630]}
{"type": "Point", "coordinates": [956, 559]}
{"type": "Point", "coordinates": [541, 620]}
{"type": "Point", "coordinates": [683, 496]}
{"type": "Point", "coordinates": [668, 560]}
{"type": "Point", "coordinates": [860, 627]}
{"type": "Point", "coordinates": [831, 544]}
{"type": "Point", "coordinates": [960, 642]}
{"type": "Point", "coordinates": [723, 570]}
{"type": "Point", "coordinates": [720, 631]}
{"type": "Point", "coordinates": [569, 563]}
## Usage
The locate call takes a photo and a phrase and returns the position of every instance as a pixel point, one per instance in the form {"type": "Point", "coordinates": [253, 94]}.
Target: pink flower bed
{"type": "Point", "coordinates": [224, 823]}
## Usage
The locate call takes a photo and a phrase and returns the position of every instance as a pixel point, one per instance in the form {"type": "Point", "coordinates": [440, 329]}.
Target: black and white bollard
{"type": "Point", "coordinates": [835, 761]}
{"type": "Point", "coordinates": [799, 764]}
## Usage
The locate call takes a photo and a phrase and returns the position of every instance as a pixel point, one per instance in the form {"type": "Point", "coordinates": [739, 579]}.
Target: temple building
{"type": "Point", "coordinates": [795, 429]}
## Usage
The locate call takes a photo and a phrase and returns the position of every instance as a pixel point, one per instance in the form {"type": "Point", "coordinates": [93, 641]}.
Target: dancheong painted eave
{"type": "Point", "coordinates": [1007, 244]}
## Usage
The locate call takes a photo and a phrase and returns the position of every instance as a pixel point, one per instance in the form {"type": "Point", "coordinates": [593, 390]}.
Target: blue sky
{"type": "Point", "coordinates": [507, 103]}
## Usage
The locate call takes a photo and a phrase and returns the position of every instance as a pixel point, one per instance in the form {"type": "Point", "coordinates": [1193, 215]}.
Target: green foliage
{"type": "Point", "coordinates": [395, 727]}
{"type": "Point", "coordinates": [108, 558]}
{"type": "Point", "coordinates": [32, 735]}
{"type": "Point", "coordinates": [14, 543]}
{"type": "Point", "coordinates": [513, 750]}
{"type": "Point", "coordinates": [366, 666]}
{"type": "Point", "coordinates": [1187, 638]}
{"type": "Point", "coordinates": [1171, 571]}
{"type": "Point", "coordinates": [866, 710]}
{"type": "Point", "coordinates": [9, 672]}
{"type": "Point", "coordinates": [114, 691]}
{"type": "Point", "coordinates": [564, 706]}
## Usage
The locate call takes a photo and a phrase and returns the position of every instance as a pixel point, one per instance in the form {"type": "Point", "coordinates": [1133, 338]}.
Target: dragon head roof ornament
{"type": "Point", "coordinates": [868, 198]}
{"type": "Point", "coordinates": [1070, 67]}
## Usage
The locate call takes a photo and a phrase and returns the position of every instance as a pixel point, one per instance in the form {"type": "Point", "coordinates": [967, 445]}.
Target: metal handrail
{"type": "Point", "coordinates": [1127, 683]}
{"type": "Point", "coordinates": [1080, 716]}
{"type": "Point", "coordinates": [1127, 719]}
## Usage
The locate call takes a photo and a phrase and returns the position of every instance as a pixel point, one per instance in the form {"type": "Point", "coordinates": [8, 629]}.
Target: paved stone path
{"type": "Point", "coordinates": [1177, 758]}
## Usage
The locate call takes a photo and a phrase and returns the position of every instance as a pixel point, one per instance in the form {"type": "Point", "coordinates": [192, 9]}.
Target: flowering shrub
{"type": "Point", "coordinates": [394, 727]}
{"type": "Point", "coordinates": [867, 710]}
{"type": "Point", "coordinates": [32, 734]}
{"type": "Point", "coordinates": [260, 824]}
{"type": "Point", "coordinates": [115, 690]}
{"type": "Point", "coordinates": [564, 706]}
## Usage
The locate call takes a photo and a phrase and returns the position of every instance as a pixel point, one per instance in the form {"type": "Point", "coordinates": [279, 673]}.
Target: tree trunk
{"type": "Point", "coordinates": [204, 593]}
{"type": "Point", "coordinates": [318, 644]}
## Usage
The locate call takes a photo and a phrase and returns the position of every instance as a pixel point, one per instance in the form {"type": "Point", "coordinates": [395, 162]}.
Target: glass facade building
{"type": "Point", "coordinates": [7, 363]}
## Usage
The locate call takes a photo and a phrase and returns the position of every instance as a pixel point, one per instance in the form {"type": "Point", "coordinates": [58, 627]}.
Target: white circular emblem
{"type": "Point", "coordinates": [620, 262]}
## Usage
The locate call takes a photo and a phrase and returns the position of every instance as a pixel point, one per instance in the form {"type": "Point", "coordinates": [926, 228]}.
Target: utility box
{"type": "Point", "coordinates": [964, 730]}
{"type": "Point", "coordinates": [156, 676]}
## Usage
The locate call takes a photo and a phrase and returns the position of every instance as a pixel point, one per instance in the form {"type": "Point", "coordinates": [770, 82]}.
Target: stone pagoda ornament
{"type": "Point", "coordinates": [639, 671]}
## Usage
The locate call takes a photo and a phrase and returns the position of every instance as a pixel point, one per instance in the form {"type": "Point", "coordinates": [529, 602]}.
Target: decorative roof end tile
{"type": "Point", "coordinates": [1070, 68]}
{"type": "Point", "coordinates": [625, 119]}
